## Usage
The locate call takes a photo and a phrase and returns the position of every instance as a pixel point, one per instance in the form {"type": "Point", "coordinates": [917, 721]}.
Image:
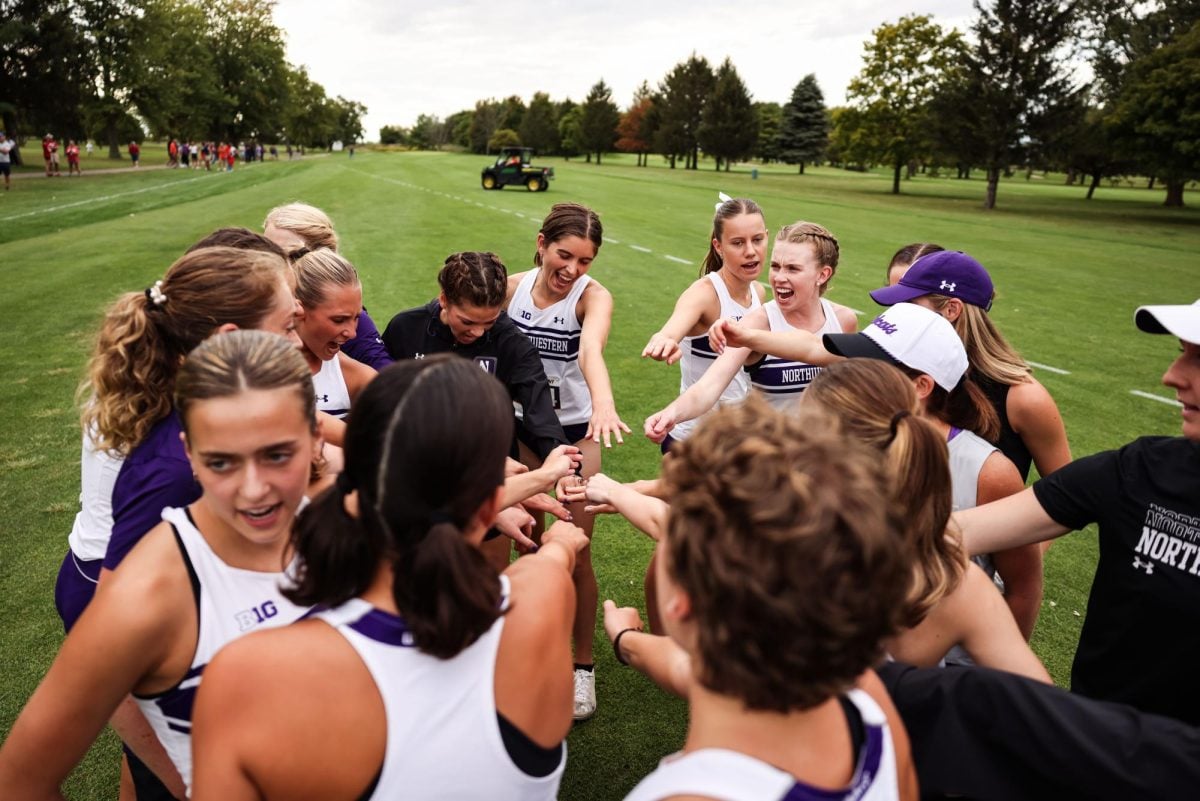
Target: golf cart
{"type": "Point", "coordinates": [512, 167]}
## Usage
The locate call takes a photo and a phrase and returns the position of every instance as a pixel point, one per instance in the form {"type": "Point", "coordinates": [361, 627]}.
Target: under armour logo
{"type": "Point", "coordinates": [323, 399]}
{"type": "Point", "coordinates": [559, 320]}
{"type": "Point", "coordinates": [948, 286]}
{"type": "Point", "coordinates": [418, 355]}
{"type": "Point", "coordinates": [1148, 566]}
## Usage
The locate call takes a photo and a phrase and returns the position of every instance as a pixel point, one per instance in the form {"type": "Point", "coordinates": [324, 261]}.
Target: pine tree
{"type": "Point", "coordinates": [804, 132]}
{"type": "Point", "coordinates": [598, 121]}
{"type": "Point", "coordinates": [683, 94]}
{"type": "Point", "coordinates": [770, 122]}
{"type": "Point", "coordinates": [729, 125]}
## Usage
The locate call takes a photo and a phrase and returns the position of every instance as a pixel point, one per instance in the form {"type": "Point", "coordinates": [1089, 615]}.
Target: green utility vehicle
{"type": "Point", "coordinates": [512, 167]}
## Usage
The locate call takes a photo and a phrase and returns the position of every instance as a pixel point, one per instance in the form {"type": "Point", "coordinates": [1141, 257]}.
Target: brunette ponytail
{"type": "Point", "coordinates": [448, 591]}
{"type": "Point", "coordinates": [425, 448]}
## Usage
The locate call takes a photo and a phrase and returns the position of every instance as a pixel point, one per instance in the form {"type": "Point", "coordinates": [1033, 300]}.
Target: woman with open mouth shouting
{"type": "Point", "coordinates": [330, 296]}
{"type": "Point", "coordinates": [804, 259]}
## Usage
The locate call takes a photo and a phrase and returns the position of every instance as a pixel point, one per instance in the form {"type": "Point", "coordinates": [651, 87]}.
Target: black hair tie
{"type": "Point", "coordinates": [894, 428]}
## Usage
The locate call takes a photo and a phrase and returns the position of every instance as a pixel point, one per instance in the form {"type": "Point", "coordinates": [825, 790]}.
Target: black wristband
{"type": "Point", "coordinates": [617, 643]}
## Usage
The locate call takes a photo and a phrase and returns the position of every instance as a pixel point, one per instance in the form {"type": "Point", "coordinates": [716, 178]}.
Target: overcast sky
{"type": "Point", "coordinates": [405, 58]}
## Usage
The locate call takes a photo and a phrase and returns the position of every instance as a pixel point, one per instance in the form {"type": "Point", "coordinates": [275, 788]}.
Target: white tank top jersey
{"type": "Point", "coordinates": [329, 385]}
{"type": "Point", "coordinates": [443, 738]}
{"type": "Point", "coordinates": [726, 775]}
{"type": "Point", "coordinates": [93, 523]}
{"type": "Point", "coordinates": [698, 356]}
{"type": "Point", "coordinates": [231, 602]}
{"type": "Point", "coordinates": [555, 332]}
{"type": "Point", "coordinates": [779, 380]}
{"type": "Point", "coordinates": [968, 452]}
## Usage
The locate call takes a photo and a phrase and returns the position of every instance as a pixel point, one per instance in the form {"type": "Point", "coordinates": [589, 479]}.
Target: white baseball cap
{"type": "Point", "coordinates": [912, 336]}
{"type": "Point", "coordinates": [1180, 321]}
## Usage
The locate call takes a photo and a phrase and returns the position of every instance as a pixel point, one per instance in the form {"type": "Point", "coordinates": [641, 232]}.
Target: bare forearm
{"type": "Point", "coordinates": [801, 346]}
{"type": "Point", "coordinates": [648, 515]}
{"type": "Point", "coordinates": [659, 658]}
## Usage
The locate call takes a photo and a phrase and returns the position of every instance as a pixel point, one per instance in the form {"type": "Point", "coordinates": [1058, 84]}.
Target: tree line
{"type": "Point", "coordinates": [114, 70]}
{"type": "Point", "coordinates": [1008, 97]}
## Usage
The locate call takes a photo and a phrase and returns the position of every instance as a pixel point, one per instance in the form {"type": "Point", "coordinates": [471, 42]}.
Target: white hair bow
{"type": "Point", "coordinates": [724, 198]}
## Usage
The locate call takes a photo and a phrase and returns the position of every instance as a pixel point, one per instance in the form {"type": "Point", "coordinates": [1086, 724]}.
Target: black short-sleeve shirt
{"type": "Point", "coordinates": [504, 351]}
{"type": "Point", "coordinates": [1140, 642]}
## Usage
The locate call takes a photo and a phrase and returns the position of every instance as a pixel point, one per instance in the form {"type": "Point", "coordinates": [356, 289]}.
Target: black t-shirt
{"type": "Point", "coordinates": [1140, 643]}
{"type": "Point", "coordinates": [504, 351]}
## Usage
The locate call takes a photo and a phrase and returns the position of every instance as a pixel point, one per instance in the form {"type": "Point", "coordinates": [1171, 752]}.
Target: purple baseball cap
{"type": "Point", "coordinates": [948, 272]}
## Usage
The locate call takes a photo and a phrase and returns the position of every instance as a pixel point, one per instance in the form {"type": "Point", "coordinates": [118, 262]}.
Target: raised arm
{"type": "Point", "coordinates": [1007, 523]}
{"type": "Point", "coordinates": [562, 461]}
{"type": "Point", "coordinates": [660, 658]}
{"type": "Point", "coordinates": [796, 345]}
{"type": "Point", "coordinates": [1019, 567]}
{"type": "Point", "coordinates": [648, 515]}
{"type": "Point", "coordinates": [596, 307]}
{"type": "Point", "coordinates": [691, 311]}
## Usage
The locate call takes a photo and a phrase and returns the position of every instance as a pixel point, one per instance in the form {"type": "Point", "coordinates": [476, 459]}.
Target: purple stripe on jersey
{"type": "Point", "coordinates": [954, 432]}
{"type": "Point", "coordinates": [790, 376]}
{"type": "Point", "coordinates": [384, 627]}
{"type": "Point", "coordinates": [864, 775]}
{"type": "Point", "coordinates": [554, 332]}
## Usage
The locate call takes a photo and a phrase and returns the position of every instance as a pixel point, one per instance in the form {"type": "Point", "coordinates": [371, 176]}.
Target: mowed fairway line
{"type": "Point", "coordinates": [1040, 366]}
{"type": "Point", "coordinates": [1159, 398]}
{"type": "Point", "coordinates": [103, 198]}
{"type": "Point", "coordinates": [466, 201]}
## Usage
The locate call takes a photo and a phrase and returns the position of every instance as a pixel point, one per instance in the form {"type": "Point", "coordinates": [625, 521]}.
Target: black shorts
{"type": "Point", "coordinates": [6, 168]}
{"type": "Point", "coordinates": [575, 432]}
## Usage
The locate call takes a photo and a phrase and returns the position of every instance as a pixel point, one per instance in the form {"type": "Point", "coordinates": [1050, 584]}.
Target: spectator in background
{"type": "Point", "coordinates": [73, 159]}
{"type": "Point", "coordinates": [50, 155]}
{"type": "Point", "coordinates": [6, 146]}
{"type": "Point", "coordinates": [135, 153]}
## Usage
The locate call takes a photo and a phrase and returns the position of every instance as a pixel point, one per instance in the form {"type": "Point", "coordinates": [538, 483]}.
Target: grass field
{"type": "Point", "coordinates": [1070, 272]}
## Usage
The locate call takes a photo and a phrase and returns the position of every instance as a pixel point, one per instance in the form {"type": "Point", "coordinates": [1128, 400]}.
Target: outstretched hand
{"type": "Point", "coordinates": [544, 503]}
{"type": "Point", "coordinates": [567, 534]}
{"type": "Point", "coordinates": [619, 618]}
{"type": "Point", "coordinates": [517, 524]}
{"type": "Point", "coordinates": [658, 425]}
{"type": "Point", "coordinates": [605, 424]}
{"type": "Point", "coordinates": [662, 348]}
{"type": "Point", "coordinates": [562, 461]}
{"type": "Point", "coordinates": [727, 333]}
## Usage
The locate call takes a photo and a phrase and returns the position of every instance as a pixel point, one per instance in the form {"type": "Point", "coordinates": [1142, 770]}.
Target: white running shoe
{"type": "Point", "coordinates": [585, 694]}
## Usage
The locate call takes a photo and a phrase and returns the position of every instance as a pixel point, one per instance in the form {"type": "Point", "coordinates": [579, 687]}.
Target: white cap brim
{"type": "Point", "coordinates": [1180, 321]}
